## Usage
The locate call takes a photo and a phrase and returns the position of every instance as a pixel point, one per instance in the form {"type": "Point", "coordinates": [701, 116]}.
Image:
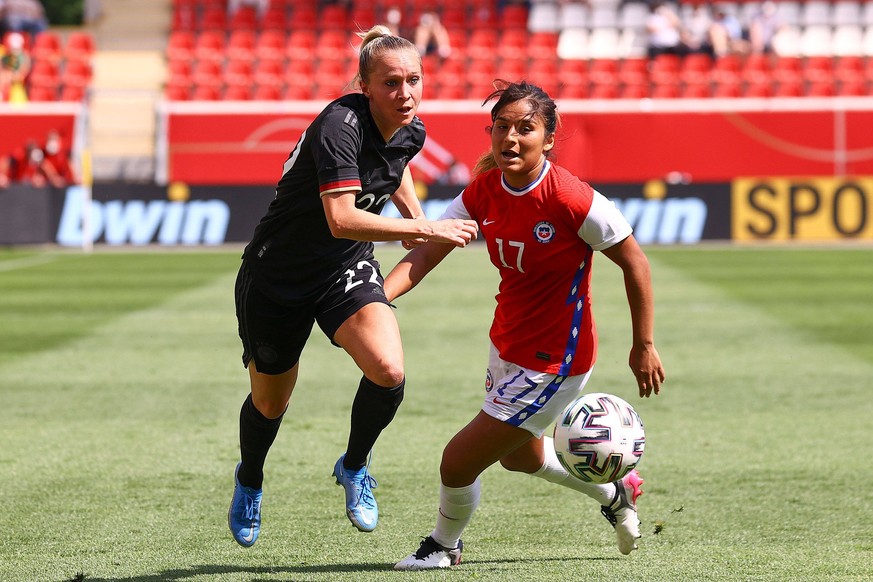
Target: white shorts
{"type": "Point", "coordinates": [526, 398]}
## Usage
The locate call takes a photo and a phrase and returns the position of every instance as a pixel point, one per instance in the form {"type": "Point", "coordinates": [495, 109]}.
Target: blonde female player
{"type": "Point", "coordinates": [311, 260]}
{"type": "Point", "coordinates": [542, 226]}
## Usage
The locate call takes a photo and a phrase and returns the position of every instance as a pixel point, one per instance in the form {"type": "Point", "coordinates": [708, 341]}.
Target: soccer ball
{"type": "Point", "coordinates": [599, 438]}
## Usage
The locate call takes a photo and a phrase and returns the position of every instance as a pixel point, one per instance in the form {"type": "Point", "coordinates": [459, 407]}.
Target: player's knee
{"type": "Point", "coordinates": [510, 465]}
{"type": "Point", "coordinates": [387, 374]}
{"type": "Point", "coordinates": [269, 407]}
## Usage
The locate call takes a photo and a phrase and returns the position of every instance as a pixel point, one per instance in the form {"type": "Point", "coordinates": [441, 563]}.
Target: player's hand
{"type": "Point", "coordinates": [645, 363]}
{"type": "Point", "coordinates": [411, 244]}
{"type": "Point", "coordinates": [454, 231]}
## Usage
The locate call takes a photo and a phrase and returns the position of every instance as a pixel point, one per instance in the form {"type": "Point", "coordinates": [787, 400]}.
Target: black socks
{"type": "Point", "coordinates": [256, 436]}
{"type": "Point", "coordinates": [373, 409]}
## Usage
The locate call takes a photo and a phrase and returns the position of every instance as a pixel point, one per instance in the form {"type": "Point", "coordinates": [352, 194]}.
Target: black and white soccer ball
{"type": "Point", "coordinates": [599, 438]}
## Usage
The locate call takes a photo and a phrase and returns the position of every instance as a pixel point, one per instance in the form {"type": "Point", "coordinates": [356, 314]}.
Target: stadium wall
{"type": "Point", "coordinates": [750, 210]}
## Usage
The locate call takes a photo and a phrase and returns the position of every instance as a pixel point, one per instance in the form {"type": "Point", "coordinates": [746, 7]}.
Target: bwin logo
{"type": "Point", "coordinates": [139, 223]}
{"type": "Point", "coordinates": [665, 221]}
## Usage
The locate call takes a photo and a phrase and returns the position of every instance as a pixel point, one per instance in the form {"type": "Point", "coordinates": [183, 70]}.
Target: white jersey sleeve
{"type": "Point", "coordinates": [604, 226]}
{"type": "Point", "coordinates": [456, 209]}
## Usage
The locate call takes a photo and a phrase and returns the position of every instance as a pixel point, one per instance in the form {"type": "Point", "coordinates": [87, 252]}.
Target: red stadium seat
{"type": "Point", "coordinates": [700, 90]}
{"type": "Point", "coordinates": [299, 74]}
{"type": "Point", "coordinates": [514, 69]}
{"type": "Point", "coordinates": [177, 93]}
{"type": "Point", "coordinates": [853, 88]}
{"type": "Point", "coordinates": [301, 45]}
{"type": "Point", "coordinates": [665, 90]}
{"type": "Point", "coordinates": [573, 73]}
{"type": "Point", "coordinates": [79, 46]}
{"type": "Point", "coordinates": [180, 45]}
{"type": "Point", "coordinates": [238, 93]}
{"type": "Point", "coordinates": [45, 74]}
{"type": "Point", "coordinates": [756, 68]}
{"type": "Point", "coordinates": [729, 89]}
{"type": "Point", "coordinates": [726, 69]}
{"type": "Point", "coordinates": [333, 17]}
{"type": "Point", "coordinates": [481, 71]}
{"type": "Point", "coordinates": [513, 16]}
{"type": "Point", "coordinates": [333, 45]}
{"type": "Point", "coordinates": [73, 93]}
{"type": "Point", "coordinates": [209, 46]}
{"type": "Point", "coordinates": [759, 89]}
{"type": "Point", "coordinates": [42, 93]}
{"type": "Point", "coordinates": [212, 18]}
{"type": "Point", "coordinates": [47, 46]}
{"type": "Point", "coordinates": [822, 88]}
{"type": "Point", "coordinates": [543, 45]}
{"type": "Point", "coordinates": [849, 68]}
{"type": "Point", "coordinates": [634, 71]}
{"type": "Point", "coordinates": [238, 74]}
{"type": "Point", "coordinates": [77, 73]}
{"type": "Point", "coordinates": [604, 91]}
{"type": "Point", "coordinates": [603, 72]}
{"type": "Point", "coordinates": [818, 69]}
{"type": "Point", "coordinates": [207, 74]}
{"type": "Point", "coordinates": [789, 89]}
{"type": "Point", "coordinates": [275, 18]}
{"type": "Point", "coordinates": [695, 68]}
{"type": "Point", "coordinates": [267, 93]}
{"type": "Point", "coordinates": [241, 45]}
{"type": "Point", "coordinates": [268, 73]}
{"type": "Point", "coordinates": [482, 44]}
{"type": "Point", "coordinates": [304, 18]}
{"type": "Point", "coordinates": [788, 70]}
{"type": "Point", "coordinates": [245, 18]}
{"type": "Point", "coordinates": [206, 93]}
{"type": "Point", "coordinates": [665, 69]}
{"type": "Point", "coordinates": [297, 93]}
{"type": "Point", "coordinates": [451, 92]}
{"type": "Point", "coordinates": [513, 43]}
{"type": "Point", "coordinates": [573, 92]}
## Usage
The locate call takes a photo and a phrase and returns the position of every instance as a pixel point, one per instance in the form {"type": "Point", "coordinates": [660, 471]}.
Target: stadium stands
{"type": "Point", "coordinates": [580, 49]}
{"type": "Point", "coordinates": [61, 68]}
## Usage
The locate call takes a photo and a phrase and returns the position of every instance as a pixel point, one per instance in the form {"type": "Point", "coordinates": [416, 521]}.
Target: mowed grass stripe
{"type": "Point", "coordinates": [123, 440]}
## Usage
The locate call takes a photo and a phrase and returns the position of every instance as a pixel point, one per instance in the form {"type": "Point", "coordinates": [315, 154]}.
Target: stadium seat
{"type": "Point", "coordinates": [268, 73]}
{"type": "Point", "coordinates": [573, 15]}
{"type": "Point", "coordinates": [42, 93]}
{"type": "Point", "coordinates": [542, 45]}
{"type": "Point", "coordinates": [756, 68]}
{"type": "Point", "coordinates": [789, 89]}
{"type": "Point", "coordinates": [209, 46]}
{"type": "Point", "coordinates": [544, 17]}
{"type": "Point", "coordinates": [818, 69]}
{"type": "Point", "coordinates": [270, 45]}
{"type": "Point", "coordinates": [238, 73]}
{"type": "Point", "coordinates": [760, 89]}
{"type": "Point", "coordinates": [846, 12]}
{"type": "Point", "coordinates": [634, 71]}
{"type": "Point", "coordinates": [304, 18]}
{"type": "Point", "coordinates": [695, 68]}
{"type": "Point", "coordinates": [451, 92]}
{"type": "Point", "coordinates": [604, 91]}
{"type": "Point", "coordinates": [79, 46]}
{"type": "Point", "coordinates": [46, 46]}
{"type": "Point", "coordinates": [512, 69]}
{"type": "Point", "coordinates": [788, 12]}
{"type": "Point", "coordinates": [241, 45]}
{"type": "Point", "coordinates": [212, 18]}
{"type": "Point", "coordinates": [696, 90]}
{"type": "Point", "coordinates": [299, 74]}
{"type": "Point", "coordinates": [482, 44]}
{"type": "Point", "coordinates": [728, 90]}
{"type": "Point", "coordinates": [849, 68]}
{"type": "Point", "coordinates": [513, 42]}
{"type": "Point", "coordinates": [573, 44]}
{"type": "Point", "coordinates": [78, 73]}
{"type": "Point", "coordinates": [333, 17]}
{"type": "Point", "coordinates": [333, 45]}
{"type": "Point", "coordinates": [297, 93]}
{"type": "Point", "coordinates": [815, 13]}
{"type": "Point", "coordinates": [853, 88]}
{"type": "Point", "coordinates": [603, 43]}
{"type": "Point", "coordinates": [267, 93]}
{"type": "Point", "coordinates": [482, 71]}
{"type": "Point", "coordinates": [848, 39]}
{"type": "Point", "coordinates": [635, 91]}
{"type": "Point", "coordinates": [824, 88]}
{"type": "Point", "coordinates": [603, 17]}
{"type": "Point", "coordinates": [180, 45]}
{"type": "Point", "coordinates": [238, 93]}
{"type": "Point", "coordinates": [245, 18]}
{"type": "Point", "coordinates": [206, 93]}
{"type": "Point", "coordinates": [788, 69]}
{"type": "Point", "coordinates": [207, 73]}
{"type": "Point", "coordinates": [574, 92]}
{"type": "Point", "coordinates": [73, 93]}
{"type": "Point", "coordinates": [603, 72]}
{"type": "Point", "coordinates": [275, 18]}
{"type": "Point", "coordinates": [665, 90]}
{"type": "Point", "coordinates": [573, 73]}
{"type": "Point", "coordinates": [665, 69]}
{"type": "Point", "coordinates": [513, 16]}
{"type": "Point", "coordinates": [633, 15]}
{"type": "Point", "coordinates": [301, 45]}
{"type": "Point", "coordinates": [816, 41]}
{"type": "Point", "coordinates": [786, 41]}
{"type": "Point", "coordinates": [44, 73]}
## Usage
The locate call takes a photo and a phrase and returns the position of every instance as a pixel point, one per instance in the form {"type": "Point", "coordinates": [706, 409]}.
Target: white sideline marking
{"type": "Point", "coordinates": [25, 262]}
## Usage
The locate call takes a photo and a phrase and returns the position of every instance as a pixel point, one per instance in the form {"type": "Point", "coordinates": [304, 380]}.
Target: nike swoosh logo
{"type": "Point", "coordinates": [500, 402]}
{"type": "Point", "coordinates": [486, 222]}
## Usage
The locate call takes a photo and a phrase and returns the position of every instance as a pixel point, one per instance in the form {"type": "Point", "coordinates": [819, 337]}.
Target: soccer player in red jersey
{"type": "Point", "coordinates": [542, 226]}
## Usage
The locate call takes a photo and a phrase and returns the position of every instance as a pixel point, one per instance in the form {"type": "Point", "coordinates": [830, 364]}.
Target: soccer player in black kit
{"type": "Point", "coordinates": [311, 260]}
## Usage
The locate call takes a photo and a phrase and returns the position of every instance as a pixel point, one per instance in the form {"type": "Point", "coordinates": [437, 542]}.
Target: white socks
{"type": "Point", "coordinates": [553, 472]}
{"type": "Point", "coordinates": [457, 505]}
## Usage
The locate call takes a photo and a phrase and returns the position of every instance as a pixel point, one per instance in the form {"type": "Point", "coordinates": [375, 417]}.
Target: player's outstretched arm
{"type": "Point", "coordinates": [347, 221]}
{"type": "Point", "coordinates": [644, 360]}
{"type": "Point", "coordinates": [413, 267]}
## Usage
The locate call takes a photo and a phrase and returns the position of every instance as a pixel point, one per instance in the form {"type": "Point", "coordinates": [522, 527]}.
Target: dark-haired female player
{"type": "Point", "coordinates": [542, 225]}
{"type": "Point", "coordinates": [311, 260]}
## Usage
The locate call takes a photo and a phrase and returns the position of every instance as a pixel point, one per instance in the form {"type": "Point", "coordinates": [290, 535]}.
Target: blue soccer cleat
{"type": "Point", "coordinates": [361, 506]}
{"type": "Point", "coordinates": [244, 515]}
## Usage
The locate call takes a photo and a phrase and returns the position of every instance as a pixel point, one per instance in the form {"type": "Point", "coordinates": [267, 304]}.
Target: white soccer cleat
{"type": "Point", "coordinates": [430, 555]}
{"type": "Point", "coordinates": [622, 512]}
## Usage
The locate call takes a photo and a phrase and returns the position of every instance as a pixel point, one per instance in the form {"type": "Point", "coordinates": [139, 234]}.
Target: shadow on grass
{"type": "Point", "coordinates": [205, 570]}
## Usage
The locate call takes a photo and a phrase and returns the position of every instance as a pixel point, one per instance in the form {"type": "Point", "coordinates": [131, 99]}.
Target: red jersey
{"type": "Point", "coordinates": [541, 239]}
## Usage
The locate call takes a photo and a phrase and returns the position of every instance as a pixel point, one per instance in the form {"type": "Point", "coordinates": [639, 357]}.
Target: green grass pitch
{"type": "Point", "coordinates": [120, 386]}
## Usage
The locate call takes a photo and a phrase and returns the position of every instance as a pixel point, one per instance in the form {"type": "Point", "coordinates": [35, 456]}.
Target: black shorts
{"type": "Point", "coordinates": [274, 334]}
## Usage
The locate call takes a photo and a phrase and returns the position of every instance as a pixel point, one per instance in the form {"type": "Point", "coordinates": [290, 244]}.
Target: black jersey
{"type": "Point", "coordinates": [293, 256]}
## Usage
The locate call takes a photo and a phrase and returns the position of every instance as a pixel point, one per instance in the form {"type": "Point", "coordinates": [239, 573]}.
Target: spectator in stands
{"type": "Point", "coordinates": [27, 165]}
{"type": "Point", "coordinates": [763, 27]}
{"type": "Point", "coordinates": [431, 37]}
{"type": "Point", "coordinates": [392, 20]}
{"type": "Point", "coordinates": [24, 16]}
{"type": "Point", "coordinates": [260, 6]}
{"type": "Point", "coordinates": [15, 65]}
{"type": "Point", "coordinates": [696, 30]}
{"type": "Point", "coordinates": [726, 34]}
{"type": "Point", "coordinates": [664, 30]}
{"type": "Point", "coordinates": [56, 163]}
